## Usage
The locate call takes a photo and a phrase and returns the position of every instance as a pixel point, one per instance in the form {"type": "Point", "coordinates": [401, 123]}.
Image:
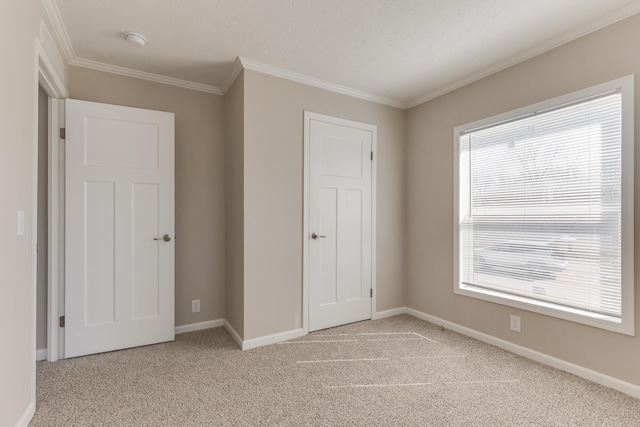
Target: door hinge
{"type": "Point", "coordinates": [63, 133]}
{"type": "Point", "coordinates": [62, 321]}
{"type": "Point", "coordinates": [371, 293]}
{"type": "Point", "coordinates": [372, 156]}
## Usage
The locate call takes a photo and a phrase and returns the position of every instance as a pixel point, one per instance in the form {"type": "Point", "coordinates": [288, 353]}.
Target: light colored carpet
{"type": "Point", "coordinates": [398, 371]}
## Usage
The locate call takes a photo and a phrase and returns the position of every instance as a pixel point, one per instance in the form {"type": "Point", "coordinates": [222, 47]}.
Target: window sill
{"type": "Point", "coordinates": [584, 317]}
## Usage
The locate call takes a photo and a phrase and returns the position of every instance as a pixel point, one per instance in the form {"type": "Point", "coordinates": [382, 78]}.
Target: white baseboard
{"type": "Point", "coordinates": [262, 341]}
{"type": "Point", "coordinates": [272, 339]}
{"type": "Point", "coordinates": [234, 334]}
{"type": "Point", "coordinates": [554, 362]}
{"type": "Point", "coordinates": [41, 354]}
{"type": "Point", "coordinates": [26, 417]}
{"type": "Point", "coordinates": [198, 326]}
{"type": "Point", "coordinates": [389, 313]}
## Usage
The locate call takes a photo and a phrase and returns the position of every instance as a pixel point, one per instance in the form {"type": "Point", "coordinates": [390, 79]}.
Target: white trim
{"type": "Point", "coordinates": [625, 325]}
{"type": "Point", "coordinates": [48, 77]}
{"type": "Point", "coordinates": [41, 354]}
{"type": "Point", "coordinates": [554, 362]}
{"type": "Point", "coordinates": [27, 415]}
{"type": "Point", "coordinates": [233, 75]}
{"type": "Point", "coordinates": [272, 339]}
{"type": "Point", "coordinates": [49, 46]}
{"type": "Point", "coordinates": [55, 244]}
{"type": "Point", "coordinates": [262, 341]}
{"type": "Point", "coordinates": [143, 75]}
{"type": "Point", "coordinates": [234, 334]}
{"type": "Point", "coordinates": [563, 39]}
{"type": "Point", "coordinates": [389, 313]}
{"type": "Point", "coordinates": [374, 220]}
{"type": "Point", "coordinates": [308, 116]}
{"type": "Point", "coordinates": [322, 84]}
{"type": "Point", "coordinates": [306, 200]}
{"type": "Point", "coordinates": [628, 201]}
{"type": "Point", "coordinates": [191, 327]}
{"type": "Point", "coordinates": [59, 29]}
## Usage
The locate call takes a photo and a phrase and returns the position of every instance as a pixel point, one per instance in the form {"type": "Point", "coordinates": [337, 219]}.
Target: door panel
{"type": "Point", "coordinates": [328, 261]}
{"type": "Point", "coordinates": [99, 253]}
{"type": "Point", "coordinates": [119, 289]}
{"type": "Point", "coordinates": [340, 212]}
{"type": "Point", "coordinates": [352, 240]}
{"type": "Point", "coordinates": [121, 143]}
{"type": "Point", "coordinates": [146, 266]}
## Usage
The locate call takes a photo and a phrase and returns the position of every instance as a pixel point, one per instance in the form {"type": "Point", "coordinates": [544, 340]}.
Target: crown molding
{"type": "Point", "coordinates": [248, 64]}
{"type": "Point", "coordinates": [143, 75]}
{"type": "Point", "coordinates": [565, 38]}
{"type": "Point", "coordinates": [50, 47]}
{"type": "Point", "coordinates": [51, 8]}
{"type": "Point", "coordinates": [233, 75]}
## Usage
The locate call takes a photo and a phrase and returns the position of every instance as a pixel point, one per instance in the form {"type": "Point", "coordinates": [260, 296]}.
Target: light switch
{"type": "Point", "coordinates": [20, 224]}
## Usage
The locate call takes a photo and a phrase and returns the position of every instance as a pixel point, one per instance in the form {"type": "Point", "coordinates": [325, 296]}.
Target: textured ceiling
{"type": "Point", "coordinates": [400, 50]}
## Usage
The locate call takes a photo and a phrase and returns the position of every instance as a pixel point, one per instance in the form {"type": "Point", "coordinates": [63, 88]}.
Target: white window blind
{"type": "Point", "coordinates": [540, 206]}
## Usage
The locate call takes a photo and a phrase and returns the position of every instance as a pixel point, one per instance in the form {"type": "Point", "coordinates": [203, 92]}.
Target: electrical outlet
{"type": "Point", "coordinates": [514, 323]}
{"type": "Point", "coordinates": [20, 224]}
{"type": "Point", "coordinates": [195, 306]}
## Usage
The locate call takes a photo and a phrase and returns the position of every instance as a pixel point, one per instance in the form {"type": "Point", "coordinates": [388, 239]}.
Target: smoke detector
{"type": "Point", "coordinates": [135, 39]}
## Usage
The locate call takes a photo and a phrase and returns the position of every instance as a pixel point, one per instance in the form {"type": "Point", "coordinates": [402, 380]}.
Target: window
{"type": "Point", "coordinates": [544, 207]}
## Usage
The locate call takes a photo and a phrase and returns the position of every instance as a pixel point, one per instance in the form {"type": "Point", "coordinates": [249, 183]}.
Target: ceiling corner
{"type": "Point", "coordinates": [233, 75]}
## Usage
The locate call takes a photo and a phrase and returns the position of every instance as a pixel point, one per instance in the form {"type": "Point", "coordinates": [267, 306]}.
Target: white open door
{"type": "Point", "coordinates": [340, 207]}
{"type": "Point", "coordinates": [119, 287]}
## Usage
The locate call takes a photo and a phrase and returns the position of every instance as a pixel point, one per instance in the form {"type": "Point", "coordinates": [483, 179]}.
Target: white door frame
{"type": "Point", "coordinates": [48, 78]}
{"type": "Point", "coordinates": [306, 232]}
{"type": "Point", "coordinates": [55, 281]}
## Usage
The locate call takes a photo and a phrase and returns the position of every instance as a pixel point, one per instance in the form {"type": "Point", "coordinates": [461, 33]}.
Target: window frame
{"type": "Point", "coordinates": [625, 324]}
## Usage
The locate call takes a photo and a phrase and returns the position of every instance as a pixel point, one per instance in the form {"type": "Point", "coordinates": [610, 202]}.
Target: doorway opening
{"type": "Point", "coordinates": [42, 249]}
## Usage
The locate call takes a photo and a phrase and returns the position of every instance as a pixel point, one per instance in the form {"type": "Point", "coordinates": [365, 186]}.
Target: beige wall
{"type": "Point", "coordinates": [596, 58]}
{"type": "Point", "coordinates": [19, 26]}
{"type": "Point", "coordinates": [199, 180]}
{"type": "Point", "coordinates": [273, 198]}
{"type": "Point", "coordinates": [234, 204]}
